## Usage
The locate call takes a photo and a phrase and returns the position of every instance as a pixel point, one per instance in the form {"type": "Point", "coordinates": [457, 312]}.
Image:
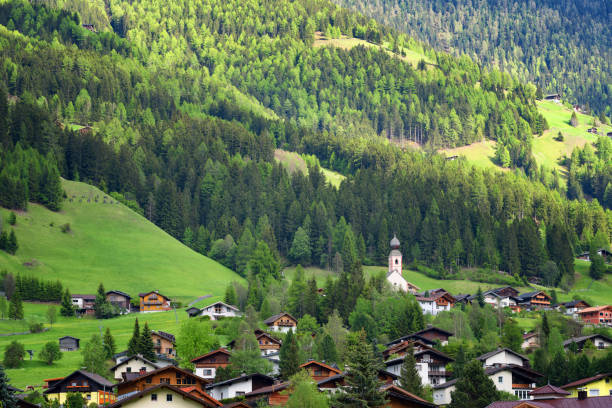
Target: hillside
{"type": "Point", "coordinates": [294, 162]}
{"type": "Point", "coordinates": [109, 243]}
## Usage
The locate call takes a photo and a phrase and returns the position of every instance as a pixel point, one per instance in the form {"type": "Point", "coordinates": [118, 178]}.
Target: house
{"type": "Point", "coordinates": [516, 380]}
{"type": "Point", "coordinates": [268, 344]}
{"type": "Point", "coordinates": [89, 27]}
{"type": "Point", "coordinates": [333, 383]}
{"type": "Point", "coordinates": [220, 310]}
{"type": "Point", "coordinates": [84, 304]}
{"type": "Point", "coordinates": [394, 275]}
{"type": "Point", "coordinates": [531, 341]}
{"type": "Point", "coordinates": [400, 398]}
{"type": "Point", "coordinates": [164, 344]}
{"type": "Point", "coordinates": [436, 301]}
{"type": "Point", "coordinates": [599, 341]}
{"type": "Point", "coordinates": [547, 392]}
{"type": "Point", "coordinates": [272, 395]}
{"type": "Point", "coordinates": [534, 300]}
{"type": "Point", "coordinates": [572, 307]}
{"type": "Point", "coordinates": [120, 299]}
{"type": "Point", "coordinates": [69, 343]}
{"type": "Point", "coordinates": [503, 356]}
{"type": "Point", "coordinates": [596, 315]}
{"type": "Point", "coordinates": [93, 387]}
{"type": "Point", "coordinates": [607, 255]}
{"type": "Point", "coordinates": [154, 302]}
{"type": "Point", "coordinates": [193, 311]}
{"type": "Point", "coordinates": [429, 335]}
{"type": "Point", "coordinates": [239, 386]}
{"type": "Point", "coordinates": [464, 298]}
{"type": "Point", "coordinates": [592, 130]}
{"type": "Point", "coordinates": [170, 375]}
{"type": "Point", "coordinates": [282, 322]}
{"type": "Point", "coordinates": [167, 395]}
{"type": "Point", "coordinates": [556, 403]}
{"type": "Point", "coordinates": [430, 363]}
{"type": "Point", "coordinates": [319, 371]}
{"type": "Point", "coordinates": [135, 364]}
{"type": "Point", "coordinates": [552, 97]}
{"type": "Point", "coordinates": [501, 297]}
{"type": "Point", "coordinates": [274, 359]}
{"type": "Point", "coordinates": [597, 386]}
{"type": "Point", "coordinates": [206, 365]}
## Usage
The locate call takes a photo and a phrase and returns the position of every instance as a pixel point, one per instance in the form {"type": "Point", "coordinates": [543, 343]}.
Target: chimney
{"type": "Point", "coordinates": [142, 371]}
{"type": "Point", "coordinates": [582, 394]}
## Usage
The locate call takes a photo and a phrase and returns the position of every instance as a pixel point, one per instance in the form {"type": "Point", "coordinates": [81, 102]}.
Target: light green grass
{"type": "Point", "coordinates": [294, 162]}
{"type": "Point", "coordinates": [480, 154]}
{"type": "Point", "coordinates": [33, 372]}
{"type": "Point", "coordinates": [111, 244]}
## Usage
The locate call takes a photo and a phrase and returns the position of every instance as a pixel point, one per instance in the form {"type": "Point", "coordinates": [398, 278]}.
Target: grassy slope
{"type": "Point", "coordinates": [293, 162]}
{"type": "Point", "coordinates": [109, 243]}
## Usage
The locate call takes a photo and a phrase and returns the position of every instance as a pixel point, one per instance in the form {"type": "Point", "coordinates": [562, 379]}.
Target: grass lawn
{"type": "Point", "coordinates": [33, 372]}
{"type": "Point", "coordinates": [109, 243]}
{"type": "Point", "coordinates": [293, 162]}
{"type": "Point", "coordinates": [480, 154]}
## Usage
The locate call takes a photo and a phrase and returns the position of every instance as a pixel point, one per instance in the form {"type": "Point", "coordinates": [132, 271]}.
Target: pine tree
{"type": "Point", "coordinates": [16, 307]}
{"type": "Point", "coordinates": [289, 356]}
{"type": "Point", "coordinates": [100, 302]}
{"type": "Point", "coordinates": [473, 389]}
{"type": "Point", "coordinates": [109, 344]}
{"type": "Point", "coordinates": [67, 310]}
{"type": "Point", "coordinates": [134, 343]}
{"type": "Point", "coordinates": [327, 349]}
{"type": "Point", "coordinates": [230, 295]}
{"type": "Point", "coordinates": [480, 297]}
{"type": "Point", "coordinates": [558, 369]}
{"type": "Point", "coordinates": [146, 347]}
{"type": "Point", "coordinates": [512, 336]}
{"type": "Point", "coordinates": [410, 380]}
{"type": "Point", "coordinates": [545, 329]}
{"type": "Point", "coordinates": [460, 361]}
{"type": "Point", "coordinates": [6, 395]}
{"type": "Point", "coordinates": [12, 246]}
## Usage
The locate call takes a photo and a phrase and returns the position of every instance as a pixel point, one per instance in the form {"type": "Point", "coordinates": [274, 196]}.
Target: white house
{"type": "Point", "coordinates": [239, 386]}
{"type": "Point", "coordinates": [503, 356]}
{"type": "Point", "coordinates": [134, 364]}
{"type": "Point", "coordinates": [430, 363]}
{"type": "Point", "coordinates": [274, 359]}
{"type": "Point", "coordinates": [599, 341]}
{"type": "Point", "coordinates": [435, 302]}
{"type": "Point", "coordinates": [219, 309]}
{"type": "Point", "coordinates": [394, 275]}
{"type": "Point", "coordinates": [207, 364]}
{"type": "Point", "coordinates": [496, 300]}
{"type": "Point", "coordinates": [167, 396]}
{"type": "Point", "coordinates": [282, 322]}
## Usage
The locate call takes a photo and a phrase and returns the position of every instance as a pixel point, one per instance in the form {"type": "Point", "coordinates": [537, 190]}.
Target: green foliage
{"type": "Point", "coordinates": [13, 355]}
{"type": "Point", "coordinates": [67, 309]}
{"type": "Point", "coordinates": [289, 356]}
{"type": "Point", "coordinates": [512, 336]}
{"type": "Point", "coordinates": [473, 389]}
{"type": "Point", "coordinates": [134, 344]}
{"type": "Point", "coordinates": [305, 394]}
{"type": "Point", "coordinates": [327, 349]}
{"type": "Point", "coordinates": [6, 395]}
{"type": "Point", "coordinates": [51, 315]}
{"type": "Point", "coordinates": [50, 352]}
{"type": "Point", "coordinates": [598, 266]}
{"type": "Point", "coordinates": [15, 310]}
{"type": "Point", "coordinates": [300, 248]}
{"type": "Point", "coordinates": [230, 295]}
{"type": "Point", "coordinates": [94, 356]}
{"type": "Point", "coordinates": [194, 339]}
{"type": "Point", "coordinates": [103, 308]}
{"type": "Point", "coordinates": [410, 380]}
{"type": "Point", "coordinates": [74, 400]}
{"type": "Point", "coordinates": [145, 346]}
{"type": "Point", "coordinates": [109, 344]}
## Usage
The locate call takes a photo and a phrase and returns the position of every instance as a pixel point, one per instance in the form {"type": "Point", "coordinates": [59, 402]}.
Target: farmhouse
{"type": "Point", "coordinates": [164, 344]}
{"type": "Point", "coordinates": [168, 396]}
{"type": "Point", "coordinates": [239, 386]}
{"type": "Point", "coordinates": [530, 341]}
{"type": "Point", "coordinates": [154, 302]}
{"type": "Point", "coordinates": [220, 310]}
{"type": "Point", "coordinates": [268, 344]}
{"type": "Point", "coordinates": [84, 304]}
{"type": "Point", "coordinates": [319, 371]}
{"type": "Point", "coordinates": [506, 296]}
{"type": "Point", "coordinates": [282, 322]}
{"type": "Point", "coordinates": [136, 364]}
{"type": "Point", "coordinates": [607, 255]}
{"type": "Point", "coordinates": [600, 315]}
{"type": "Point", "coordinates": [93, 387]}
{"type": "Point", "coordinates": [572, 307]}
{"type": "Point", "coordinates": [503, 356]}
{"type": "Point", "coordinates": [120, 299]}
{"type": "Point", "coordinates": [69, 343]}
{"type": "Point", "coordinates": [170, 375]}
{"type": "Point", "coordinates": [206, 365]}
{"type": "Point", "coordinates": [435, 301]}
{"type": "Point", "coordinates": [534, 300]}
{"type": "Point", "coordinates": [430, 363]}
{"type": "Point", "coordinates": [599, 341]}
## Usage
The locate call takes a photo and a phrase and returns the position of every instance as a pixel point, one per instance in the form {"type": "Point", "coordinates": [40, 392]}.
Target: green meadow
{"type": "Point", "coordinates": [109, 243]}
{"type": "Point", "coordinates": [292, 162]}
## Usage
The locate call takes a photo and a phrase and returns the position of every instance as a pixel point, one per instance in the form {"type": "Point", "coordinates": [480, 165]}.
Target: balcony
{"type": "Point", "coordinates": [521, 386]}
{"type": "Point", "coordinates": [438, 373]}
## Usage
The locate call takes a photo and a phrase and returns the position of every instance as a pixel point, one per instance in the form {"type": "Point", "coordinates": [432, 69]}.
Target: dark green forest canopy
{"type": "Point", "coordinates": [564, 46]}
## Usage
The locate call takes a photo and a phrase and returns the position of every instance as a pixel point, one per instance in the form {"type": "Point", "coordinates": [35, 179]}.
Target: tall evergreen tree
{"type": "Point", "coordinates": [12, 246]}
{"type": "Point", "coordinates": [100, 302]}
{"type": "Point", "coordinates": [289, 356]}
{"type": "Point", "coordinates": [146, 347]}
{"type": "Point", "coordinates": [6, 394]}
{"type": "Point", "coordinates": [109, 344]}
{"type": "Point", "coordinates": [230, 295]}
{"type": "Point", "coordinates": [473, 389]}
{"type": "Point", "coordinates": [327, 349]}
{"type": "Point", "coordinates": [480, 297]}
{"type": "Point", "coordinates": [134, 343]}
{"type": "Point", "coordinates": [15, 311]}
{"type": "Point", "coordinates": [410, 380]}
{"type": "Point", "coordinates": [67, 310]}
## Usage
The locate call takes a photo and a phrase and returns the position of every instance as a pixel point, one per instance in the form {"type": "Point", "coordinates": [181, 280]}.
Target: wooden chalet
{"type": "Point", "coordinates": [164, 343]}
{"type": "Point", "coordinates": [207, 364]}
{"type": "Point", "coordinates": [573, 307]}
{"type": "Point", "coordinates": [435, 301]}
{"type": "Point", "coordinates": [93, 388]}
{"type": "Point", "coordinates": [84, 304]}
{"type": "Point", "coordinates": [531, 341]}
{"type": "Point", "coordinates": [428, 336]}
{"type": "Point", "coordinates": [268, 344]}
{"type": "Point", "coordinates": [534, 300]}
{"type": "Point", "coordinates": [400, 398]}
{"type": "Point", "coordinates": [120, 299]}
{"type": "Point", "coordinates": [319, 371]}
{"type": "Point", "coordinates": [599, 341]}
{"type": "Point", "coordinates": [170, 375]}
{"type": "Point", "coordinates": [154, 302]}
{"type": "Point", "coordinates": [273, 395]}
{"type": "Point", "coordinates": [282, 322]}
{"type": "Point", "coordinates": [69, 343]}
{"type": "Point", "coordinates": [163, 394]}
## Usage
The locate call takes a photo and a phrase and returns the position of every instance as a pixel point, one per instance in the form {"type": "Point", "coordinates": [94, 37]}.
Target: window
{"type": "Point", "coordinates": [239, 393]}
{"type": "Point", "coordinates": [594, 392]}
{"type": "Point", "coordinates": [500, 379]}
{"type": "Point", "coordinates": [168, 397]}
{"type": "Point", "coordinates": [610, 392]}
{"type": "Point", "coordinates": [208, 372]}
{"type": "Point", "coordinates": [149, 380]}
{"type": "Point", "coordinates": [153, 397]}
{"type": "Point", "coordinates": [88, 396]}
{"type": "Point", "coordinates": [221, 395]}
{"type": "Point", "coordinates": [396, 261]}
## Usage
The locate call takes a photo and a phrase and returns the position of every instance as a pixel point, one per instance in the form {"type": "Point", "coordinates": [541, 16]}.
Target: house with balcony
{"type": "Point", "coordinates": [166, 395]}
{"type": "Point", "coordinates": [599, 341]}
{"type": "Point", "coordinates": [430, 363]}
{"type": "Point", "coordinates": [239, 386]}
{"type": "Point", "coordinates": [319, 370]}
{"type": "Point", "coordinates": [207, 364]}
{"type": "Point", "coordinates": [164, 344]}
{"type": "Point", "coordinates": [135, 365]}
{"type": "Point", "coordinates": [282, 322]}
{"type": "Point", "coordinates": [599, 315]}
{"type": "Point", "coordinates": [170, 375]}
{"type": "Point", "coordinates": [220, 310]}
{"type": "Point", "coordinates": [573, 307]}
{"type": "Point", "coordinates": [534, 300]}
{"type": "Point", "coordinates": [84, 304]}
{"type": "Point", "coordinates": [93, 388]}
{"type": "Point", "coordinates": [154, 302]}
{"type": "Point", "coordinates": [503, 356]}
{"type": "Point", "coordinates": [435, 301]}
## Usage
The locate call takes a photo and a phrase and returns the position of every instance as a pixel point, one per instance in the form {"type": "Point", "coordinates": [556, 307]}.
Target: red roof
{"type": "Point", "coordinates": [594, 309]}
{"type": "Point", "coordinates": [549, 389]}
{"type": "Point", "coordinates": [217, 351]}
{"type": "Point", "coordinates": [591, 402]}
{"type": "Point", "coordinates": [313, 362]}
{"type": "Point", "coordinates": [390, 388]}
{"type": "Point", "coordinates": [586, 380]}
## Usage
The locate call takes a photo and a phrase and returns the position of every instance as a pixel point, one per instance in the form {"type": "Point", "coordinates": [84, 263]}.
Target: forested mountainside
{"type": "Point", "coordinates": [177, 131]}
{"type": "Point", "coordinates": [564, 46]}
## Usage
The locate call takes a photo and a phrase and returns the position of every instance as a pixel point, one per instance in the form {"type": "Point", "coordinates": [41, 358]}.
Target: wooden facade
{"type": "Point", "coordinates": [319, 371]}
{"type": "Point", "coordinates": [164, 344]}
{"type": "Point", "coordinates": [281, 322]}
{"type": "Point", "coordinates": [92, 387]}
{"type": "Point", "coordinates": [154, 302]}
{"type": "Point", "coordinates": [69, 343]}
{"type": "Point", "coordinates": [268, 344]}
{"type": "Point", "coordinates": [170, 375]}
{"type": "Point", "coordinates": [119, 299]}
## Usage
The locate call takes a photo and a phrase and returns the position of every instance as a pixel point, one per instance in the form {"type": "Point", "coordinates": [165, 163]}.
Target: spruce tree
{"type": "Point", "coordinates": [230, 295]}
{"type": "Point", "coordinates": [473, 389]}
{"type": "Point", "coordinates": [480, 297]}
{"type": "Point", "coordinates": [16, 307]}
{"type": "Point", "coordinates": [327, 349]}
{"type": "Point", "coordinates": [12, 246]}
{"type": "Point", "coordinates": [109, 344]}
{"type": "Point", "coordinates": [134, 343]}
{"type": "Point", "coordinates": [147, 349]}
{"type": "Point", "coordinates": [100, 302]}
{"type": "Point", "coordinates": [545, 329]}
{"type": "Point", "coordinates": [6, 395]}
{"type": "Point", "coordinates": [67, 309]}
{"type": "Point", "coordinates": [289, 356]}
{"type": "Point", "coordinates": [409, 376]}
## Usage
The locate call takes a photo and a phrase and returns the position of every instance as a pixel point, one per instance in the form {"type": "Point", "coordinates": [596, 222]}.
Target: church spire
{"type": "Point", "coordinates": [395, 244]}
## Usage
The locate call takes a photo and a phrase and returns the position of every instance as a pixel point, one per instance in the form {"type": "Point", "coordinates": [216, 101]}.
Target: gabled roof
{"type": "Point", "coordinates": [582, 339]}
{"type": "Point", "coordinates": [515, 369]}
{"type": "Point", "coordinates": [549, 389]}
{"type": "Point", "coordinates": [527, 336]}
{"type": "Point", "coordinates": [584, 381]}
{"type": "Point", "coordinates": [143, 294]}
{"type": "Point", "coordinates": [270, 320]}
{"type": "Point", "coordinates": [499, 350]}
{"type": "Point", "coordinates": [411, 337]}
{"type": "Point", "coordinates": [165, 335]}
{"type": "Point", "coordinates": [212, 353]}
{"type": "Point", "coordinates": [242, 378]}
{"type": "Point", "coordinates": [119, 293]}
{"type": "Point", "coordinates": [134, 357]}
{"type": "Point", "coordinates": [222, 303]}
{"type": "Point", "coordinates": [161, 370]}
{"type": "Point", "coordinates": [400, 393]}
{"type": "Point", "coordinates": [268, 335]}
{"type": "Point", "coordinates": [320, 364]}
{"type": "Point", "coordinates": [98, 379]}
{"type": "Point", "coordinates": [84, 297]}
{"type": "Point", "coordinates": [208, 402]}
{"type": "Point", "coordinates": [435, 294]}
{"type": "Point", "coordinates": [597, 402]}
{"type": "Point", "coordinates": [69, 337]}
{"type": "Point", "coordinates": [268, 390]}
{"type": "Point", "coordinates": [529, 295]}
{"type": "Point", "coordinates": [594, 309]}
{"type": "Point", "coordinates": [434, 328]}
{"type": "Point", "coordinates": [573, 303]}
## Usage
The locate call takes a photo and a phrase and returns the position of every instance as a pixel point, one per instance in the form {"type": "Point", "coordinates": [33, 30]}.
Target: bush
{"type": "Point", "coordinates": [50, 352]}
{"type": "Point", "coordinates": [12, 218]}
{"type": "Point", "coordinates": [36, 327]}
{"type": "Point", "coordinates": [13, 355]}
{"type": "Point", "coordinates": [65, 228]}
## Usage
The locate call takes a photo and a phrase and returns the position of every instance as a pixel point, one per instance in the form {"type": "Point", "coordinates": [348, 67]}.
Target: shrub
{"type": "Point", "coordinates": [12, 218]}
{"type": "Point", "coordinates": [65, 228]}
{"type": "Point", "coordinates": [36, 327]}
{"type": "Point", "coordinates": [50, 352]}
{"type": "Point", "coordinates": [13, 355]}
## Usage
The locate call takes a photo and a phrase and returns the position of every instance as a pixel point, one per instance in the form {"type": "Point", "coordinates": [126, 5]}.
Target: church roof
{"type": "Point", "coordinates": [395, 252]}
{"type": "Point", "coordinates": [395, 244]}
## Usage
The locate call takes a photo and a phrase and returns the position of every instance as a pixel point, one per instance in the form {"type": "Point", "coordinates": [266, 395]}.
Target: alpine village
{"type": "Point", "coordinates": [305, 203]}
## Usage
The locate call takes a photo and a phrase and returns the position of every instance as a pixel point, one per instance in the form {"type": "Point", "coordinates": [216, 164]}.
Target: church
{"type": "Point", "coordinates": [394, 275]}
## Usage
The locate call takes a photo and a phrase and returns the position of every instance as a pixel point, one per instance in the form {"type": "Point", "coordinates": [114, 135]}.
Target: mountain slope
{"type": "Point", "coordinates": [109, 243]}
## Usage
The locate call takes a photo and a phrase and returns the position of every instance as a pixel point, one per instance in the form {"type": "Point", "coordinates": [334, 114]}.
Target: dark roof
{"type": "Point", "coordinates": [586, 380]}
{"type": "Point", "coordinates": [13, 389]}
{"type": "Point", "coordinates": [119, 293]}
{"type": "Point", "coordinates": [573, 303]}
{"type": "Point", "coordinates": [549, 389]}
{"type": "Point", "coordinates": [395, 243]}
{"type": "Point", "coordinates": [217, 351]}
{"type": "Point", "coordinates": [274, 318]}
{"type": "Point", "coordinates": [499, 350]}
{"type": "Point", "coordinates": [529, 295]}
{"type": "Point", "coordinates": [582, 339]}
{"type": "Point", "coordinates": [138, 356]}
{"type": "Point", "coordinates": [69, 337]}
{"type": "Point", "coordinates": [242, 378]}
{"type": "Point", "coordinates": [411, 337]}
{"type": "Point", "coordinates": [268, 390]}
{"type": "Point", "coordinates": [168, 336]}
{"type": "Point", "coordinates": [86, 297]}
{"type": "Point", "coordinates": [433, 328]}
{"type": "Point", "coordinates": [98, 379]}
{"type": "Point", "coordinates": [161, 370]}
{"type": "Point", "coordinates": [397, 392]}
{"type": "Point", "coordinates": [143, 294]}
{"type": "Point", "coordinates": [461, 297]}
{"type": "Point", "coordinates": [212, 403]}
{"type": "Point", "coordinates": [330, 368]}
{"type": "Point", "coordinates": [592, 402]}
{"type": "Point", "coordinates": [520, 370]}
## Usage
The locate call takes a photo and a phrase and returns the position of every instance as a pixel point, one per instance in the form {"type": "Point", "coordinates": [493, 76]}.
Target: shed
{"type": "Point", "coordinates": [69, 343]}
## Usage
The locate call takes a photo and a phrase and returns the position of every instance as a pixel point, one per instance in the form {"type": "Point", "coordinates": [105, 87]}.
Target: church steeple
{"type": "Point", "coordinates": [395, 244]}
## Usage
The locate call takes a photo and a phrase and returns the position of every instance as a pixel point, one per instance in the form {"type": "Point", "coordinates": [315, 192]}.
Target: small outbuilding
{"type": "Point", "coordinates": [69, 343]}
